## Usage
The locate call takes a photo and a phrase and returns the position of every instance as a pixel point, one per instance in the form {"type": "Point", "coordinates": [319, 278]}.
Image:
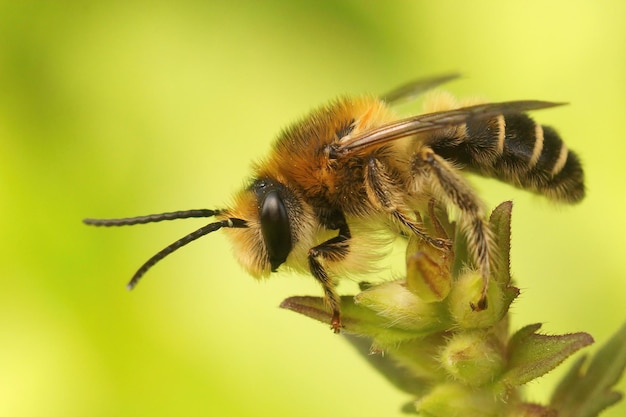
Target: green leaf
{"type": "Point", "coordinates": [500, 223]}
{"type": "Point", "coordinates": [355, 319]}
{"type": "Point", "coordinates": [586, 393]}
{"type": "Point", "coordinates": [532, 355]}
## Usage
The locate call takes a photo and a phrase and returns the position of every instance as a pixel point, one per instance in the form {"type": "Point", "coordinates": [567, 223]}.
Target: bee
{"type": "Point", "coordinates": [352, 166]}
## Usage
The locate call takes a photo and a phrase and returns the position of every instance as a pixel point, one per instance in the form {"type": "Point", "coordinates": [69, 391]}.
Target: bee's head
{"type": "Point", "coordinates": [278, 224]}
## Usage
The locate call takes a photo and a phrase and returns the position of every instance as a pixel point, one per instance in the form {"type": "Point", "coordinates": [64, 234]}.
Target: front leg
{"type": "Point", "coordinates": [334, 249]}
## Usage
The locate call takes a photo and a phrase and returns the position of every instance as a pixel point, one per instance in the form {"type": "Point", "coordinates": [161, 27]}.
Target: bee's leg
{"type": "Point", "coordinates": [383, 192]}
{"type": "Point", "coordinates": [334, 249]}
{"type": "Point", "coordinates": [452, 188]}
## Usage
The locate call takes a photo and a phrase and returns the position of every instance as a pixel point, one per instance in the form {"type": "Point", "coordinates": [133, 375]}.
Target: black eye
{"type": "Point", "coordinates": [275, 229]}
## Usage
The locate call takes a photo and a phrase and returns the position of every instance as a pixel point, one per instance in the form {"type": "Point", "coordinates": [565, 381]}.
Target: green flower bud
{"type": "Point", "coordinates": [465, 291]}
{"type": "Point", "coordinates": [427, 278]}
{"type": "Point", "coordinates": [403, 309]}
{"type": "Point", "coordinates": [473, 358]}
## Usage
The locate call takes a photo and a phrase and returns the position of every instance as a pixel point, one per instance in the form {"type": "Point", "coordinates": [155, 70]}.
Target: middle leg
{"type": "Point", "coordinates": [384, 192]}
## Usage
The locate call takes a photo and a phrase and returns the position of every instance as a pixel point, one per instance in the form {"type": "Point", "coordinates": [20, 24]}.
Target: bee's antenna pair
{"type": "Point", "coordinates": [186, 214]}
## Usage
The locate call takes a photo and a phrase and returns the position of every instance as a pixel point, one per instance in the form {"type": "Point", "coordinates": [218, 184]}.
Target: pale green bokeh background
{"type": "Point", "coordinates": [127, 108]}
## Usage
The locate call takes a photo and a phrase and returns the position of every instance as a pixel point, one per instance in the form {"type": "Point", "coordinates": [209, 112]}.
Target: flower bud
{"type": "Point", "coordinates": [465, 292]}
{"type": "Point", "coordinates": [473, 358]}
{"type": "Point", "coordinates": [402, 308]}
{"type": "Point", "coordinates": [429, 280]}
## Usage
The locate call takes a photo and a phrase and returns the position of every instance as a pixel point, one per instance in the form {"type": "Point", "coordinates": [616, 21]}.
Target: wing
{"type": "Point", "coordinates": [433, 121]}
{"type": "Point", "coordinates": [414, 88]}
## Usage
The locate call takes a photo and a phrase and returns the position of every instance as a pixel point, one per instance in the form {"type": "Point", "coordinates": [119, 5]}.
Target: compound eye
{"type": "Point", "coordinates": [275, 229]}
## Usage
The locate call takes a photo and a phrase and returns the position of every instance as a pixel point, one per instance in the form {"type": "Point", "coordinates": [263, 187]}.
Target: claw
{"type": "Point", "coordinates": [335, 322]}
{"type": "Point", "coordinates": [481, 305]}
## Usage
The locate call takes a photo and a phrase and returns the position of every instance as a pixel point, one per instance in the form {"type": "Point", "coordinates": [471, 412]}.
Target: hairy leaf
{"type": "Point", "coordinates": [532, 355]}
{"type": "Point", "coordinates": [585, 393]}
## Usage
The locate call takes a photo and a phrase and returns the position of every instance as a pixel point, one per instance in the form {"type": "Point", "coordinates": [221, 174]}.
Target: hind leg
{"type": "Point", "coordinates": [451, 188]}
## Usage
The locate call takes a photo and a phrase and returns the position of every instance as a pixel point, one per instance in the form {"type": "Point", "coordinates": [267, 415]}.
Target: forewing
{"type": "Point", "coordinates": [433, 121]}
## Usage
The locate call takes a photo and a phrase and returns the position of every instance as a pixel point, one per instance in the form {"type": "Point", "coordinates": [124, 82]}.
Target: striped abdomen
{"type": "Point", "coordinates": [515, 149]}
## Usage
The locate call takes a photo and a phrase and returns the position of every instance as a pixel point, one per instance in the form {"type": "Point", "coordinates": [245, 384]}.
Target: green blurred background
{"type": "Point", "coordinates": [126, 108]}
